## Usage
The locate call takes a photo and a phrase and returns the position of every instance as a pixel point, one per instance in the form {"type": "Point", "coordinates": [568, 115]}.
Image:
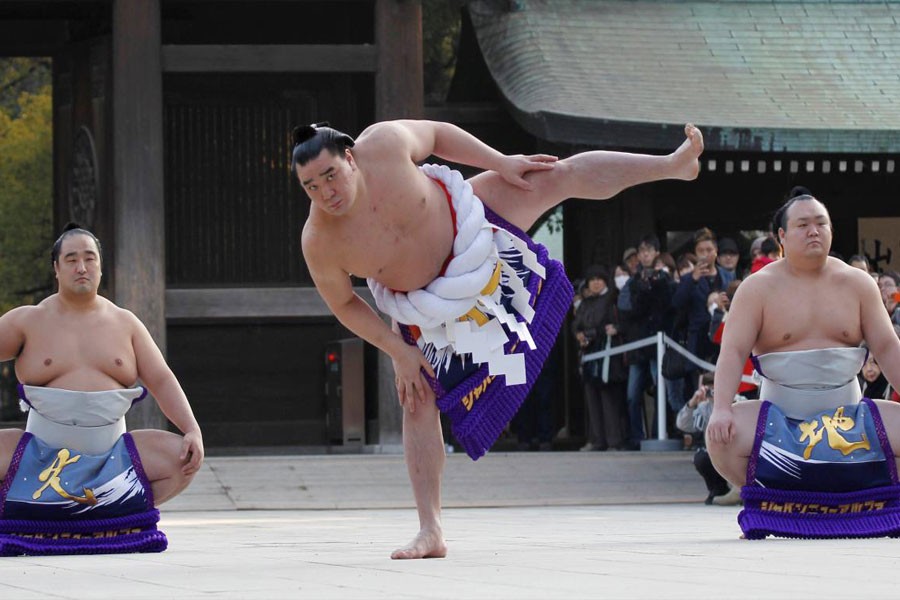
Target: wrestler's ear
{"type": "Point", "coordinates": [348, 156]}
{"type": "Point", "coordinates": [781, 235]}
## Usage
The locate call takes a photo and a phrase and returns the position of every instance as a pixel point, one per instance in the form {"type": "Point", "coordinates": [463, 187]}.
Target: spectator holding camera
{"type": "Point", "coordinates": [649, 310]}
{"type": "Point", "coordinates": [693, 418]}
{"type": "Point", "coordinates": [595, 327]}
{"type": "Point", "coordinates": [693, 292]}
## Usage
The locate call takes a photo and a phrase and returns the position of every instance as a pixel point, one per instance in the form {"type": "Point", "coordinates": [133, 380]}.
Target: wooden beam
{"type": "Point", "coordinates": [319, 58]}
{"type": "Point", "coordinates": [19, 37]}
{"type": "Point", "coordinates": [139, 229]}
{"type": "Point", "coordinates": [236, 303]}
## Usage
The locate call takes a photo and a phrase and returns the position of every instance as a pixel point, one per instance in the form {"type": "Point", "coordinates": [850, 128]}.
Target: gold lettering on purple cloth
{"type": "Point", "coordinates": [813, 508]}
{"type": "Point", "coordinates": [469, 399]}
{"type": "Point", "coordinates": [831, 425]}
{"type": "Point", "coordinates": [51, 478]}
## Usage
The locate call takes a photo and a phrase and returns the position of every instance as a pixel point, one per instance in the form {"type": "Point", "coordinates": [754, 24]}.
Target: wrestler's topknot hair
{"type": "Point", "coordinates": [779, 221]}
{"type": "Point", "coordinates": [72, 229]}
{"type": "Point", "coordinates": [310, 140]}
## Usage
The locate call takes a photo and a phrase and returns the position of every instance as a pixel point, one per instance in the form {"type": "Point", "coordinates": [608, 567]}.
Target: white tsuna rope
{"type": "Point", "coordinates": [477, 249]}
{"type": "Point", "coordinates": [474, 258]}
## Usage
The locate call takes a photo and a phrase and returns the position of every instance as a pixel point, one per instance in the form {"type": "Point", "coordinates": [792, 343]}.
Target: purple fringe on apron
{"type": "Point", "coordinates": [128, 533]}
{"type": "Point", "coordinates": [480, 406]}
{"type": "Point", "coordinates": [791, 513]}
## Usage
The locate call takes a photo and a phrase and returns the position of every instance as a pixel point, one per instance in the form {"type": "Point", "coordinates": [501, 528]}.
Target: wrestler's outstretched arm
{"type": "Point", "coordinates": [336, 289]}
{"type": "Point", "coordinates": [162, 383]}
{"type": "Point", "coordinates": [738, 339]}
{"type": "Point", "coordinates": [421, 139]}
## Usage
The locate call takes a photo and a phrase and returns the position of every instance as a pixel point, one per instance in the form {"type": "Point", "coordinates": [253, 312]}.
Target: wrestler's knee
{"type": "Point", "coordinates": [160, 453]}
{"type": "Point", "coordinates": [424, 411]}
{"type": "Point", "coordinates": [9, 440]}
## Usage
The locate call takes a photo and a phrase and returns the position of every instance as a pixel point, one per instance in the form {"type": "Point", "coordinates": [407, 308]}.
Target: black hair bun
{"type": "Point", "coordinates": [302, 133]}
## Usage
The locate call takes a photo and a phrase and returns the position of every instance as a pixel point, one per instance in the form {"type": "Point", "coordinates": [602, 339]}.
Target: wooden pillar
{"type": "Point", "coordinates": [399, 94]}
{"type": "Point", "coordinates": [399, 81]}
{"type": "Point", "coordinates": [139, 250]}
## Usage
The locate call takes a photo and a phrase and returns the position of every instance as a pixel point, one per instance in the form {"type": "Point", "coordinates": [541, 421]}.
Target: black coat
{"type": "Point", "coordinates": [591, 318]}
{"type": "Point", "coordinates": [650, 311]}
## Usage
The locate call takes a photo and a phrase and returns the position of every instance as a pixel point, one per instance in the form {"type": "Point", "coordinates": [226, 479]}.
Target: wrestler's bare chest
{"type": "Point", "coordinates": [400, 237]}
{"type": "Point", "coordinates": [89, 354]}
{"type": "Point", "coordinates": [802, 317]}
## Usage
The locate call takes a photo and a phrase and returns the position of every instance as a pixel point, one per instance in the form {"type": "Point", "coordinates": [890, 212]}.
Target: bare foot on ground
{"type": "Point", "coordinates": [686, 156]}
{"type": "Point", "coordinates": [427, 544]}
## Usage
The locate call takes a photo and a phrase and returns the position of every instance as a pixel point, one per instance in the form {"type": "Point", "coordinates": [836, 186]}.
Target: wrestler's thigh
{"type": "Point", "coordinates": [9, 440]}
{"type": "Point", "coordinates": [518, 206]}
{"type": "Point", "coordinates": [890, 416]}
{"type": "Point", "coordinates": [159, 452]}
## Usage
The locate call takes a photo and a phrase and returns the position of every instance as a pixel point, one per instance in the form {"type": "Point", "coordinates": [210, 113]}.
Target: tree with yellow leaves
{"type": "Point", "coordinates": [26, 180]}
{"type": "Point", "coordinates": [26, 195]}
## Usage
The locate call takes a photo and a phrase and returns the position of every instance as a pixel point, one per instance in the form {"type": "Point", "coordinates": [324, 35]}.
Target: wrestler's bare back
{"type": "Point", "coordinates": [80, 350]}
{"type": "Point", "coordinates": [399, 231]}
{"type": "Point", "coordinates": [797, 312]}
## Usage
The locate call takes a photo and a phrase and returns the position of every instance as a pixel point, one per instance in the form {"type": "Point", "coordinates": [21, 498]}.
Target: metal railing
{"type": "Point", "coordinates": [661, 340]}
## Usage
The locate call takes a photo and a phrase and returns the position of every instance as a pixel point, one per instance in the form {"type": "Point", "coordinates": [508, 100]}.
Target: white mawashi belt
{"type": "Point", "coordinates": [799, 403]}
{"type": "Point", "coordinates": [452, 310]}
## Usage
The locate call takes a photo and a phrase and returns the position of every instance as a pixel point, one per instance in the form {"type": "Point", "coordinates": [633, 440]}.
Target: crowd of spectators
{"type": "Point", "coordinates": [688, 298]}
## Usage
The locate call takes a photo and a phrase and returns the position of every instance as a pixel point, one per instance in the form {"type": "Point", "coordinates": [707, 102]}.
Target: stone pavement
{"type": "Point", "coordinates": [527, 526]}
{"type": "Point", "coordinates": [497, 479]}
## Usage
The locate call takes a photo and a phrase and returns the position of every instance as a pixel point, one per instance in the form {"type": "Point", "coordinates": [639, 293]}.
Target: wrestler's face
{"type": "Point", "coordinates": [78, 266]}
{"type": "Point", "coordinates": [808, 229]}
{"type": "Point", "coordinates": [329, 181]}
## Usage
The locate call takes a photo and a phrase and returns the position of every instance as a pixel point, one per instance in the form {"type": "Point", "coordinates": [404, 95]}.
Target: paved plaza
{"type": "Point", "coordinates": [529, 525]}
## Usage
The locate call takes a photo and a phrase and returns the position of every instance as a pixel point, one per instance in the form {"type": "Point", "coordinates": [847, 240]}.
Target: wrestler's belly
{"type": "Point", "coordinates": [409, 273]}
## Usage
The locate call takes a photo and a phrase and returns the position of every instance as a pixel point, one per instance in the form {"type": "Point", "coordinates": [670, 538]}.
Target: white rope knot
{"type": "Point", "coordinates": [454, 293]}
{"type": "Point", "coordinates": [478, 250]}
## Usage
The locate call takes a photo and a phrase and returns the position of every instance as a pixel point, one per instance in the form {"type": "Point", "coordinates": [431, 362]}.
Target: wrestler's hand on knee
{"type": "Point", "coordinates": [192, 452]}
{"type": "Point", "coordinates": [720, 428]}
{"type": "Point", "coordinates": [515, 167]}
{"type": "Point", "coordinates": [409, 377]}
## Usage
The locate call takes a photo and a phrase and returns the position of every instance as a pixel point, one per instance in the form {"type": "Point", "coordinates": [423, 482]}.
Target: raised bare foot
{"type": "Point", "coordinates": [686, 156]}
{"type": "Point", "coordinates": [427, 544]}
